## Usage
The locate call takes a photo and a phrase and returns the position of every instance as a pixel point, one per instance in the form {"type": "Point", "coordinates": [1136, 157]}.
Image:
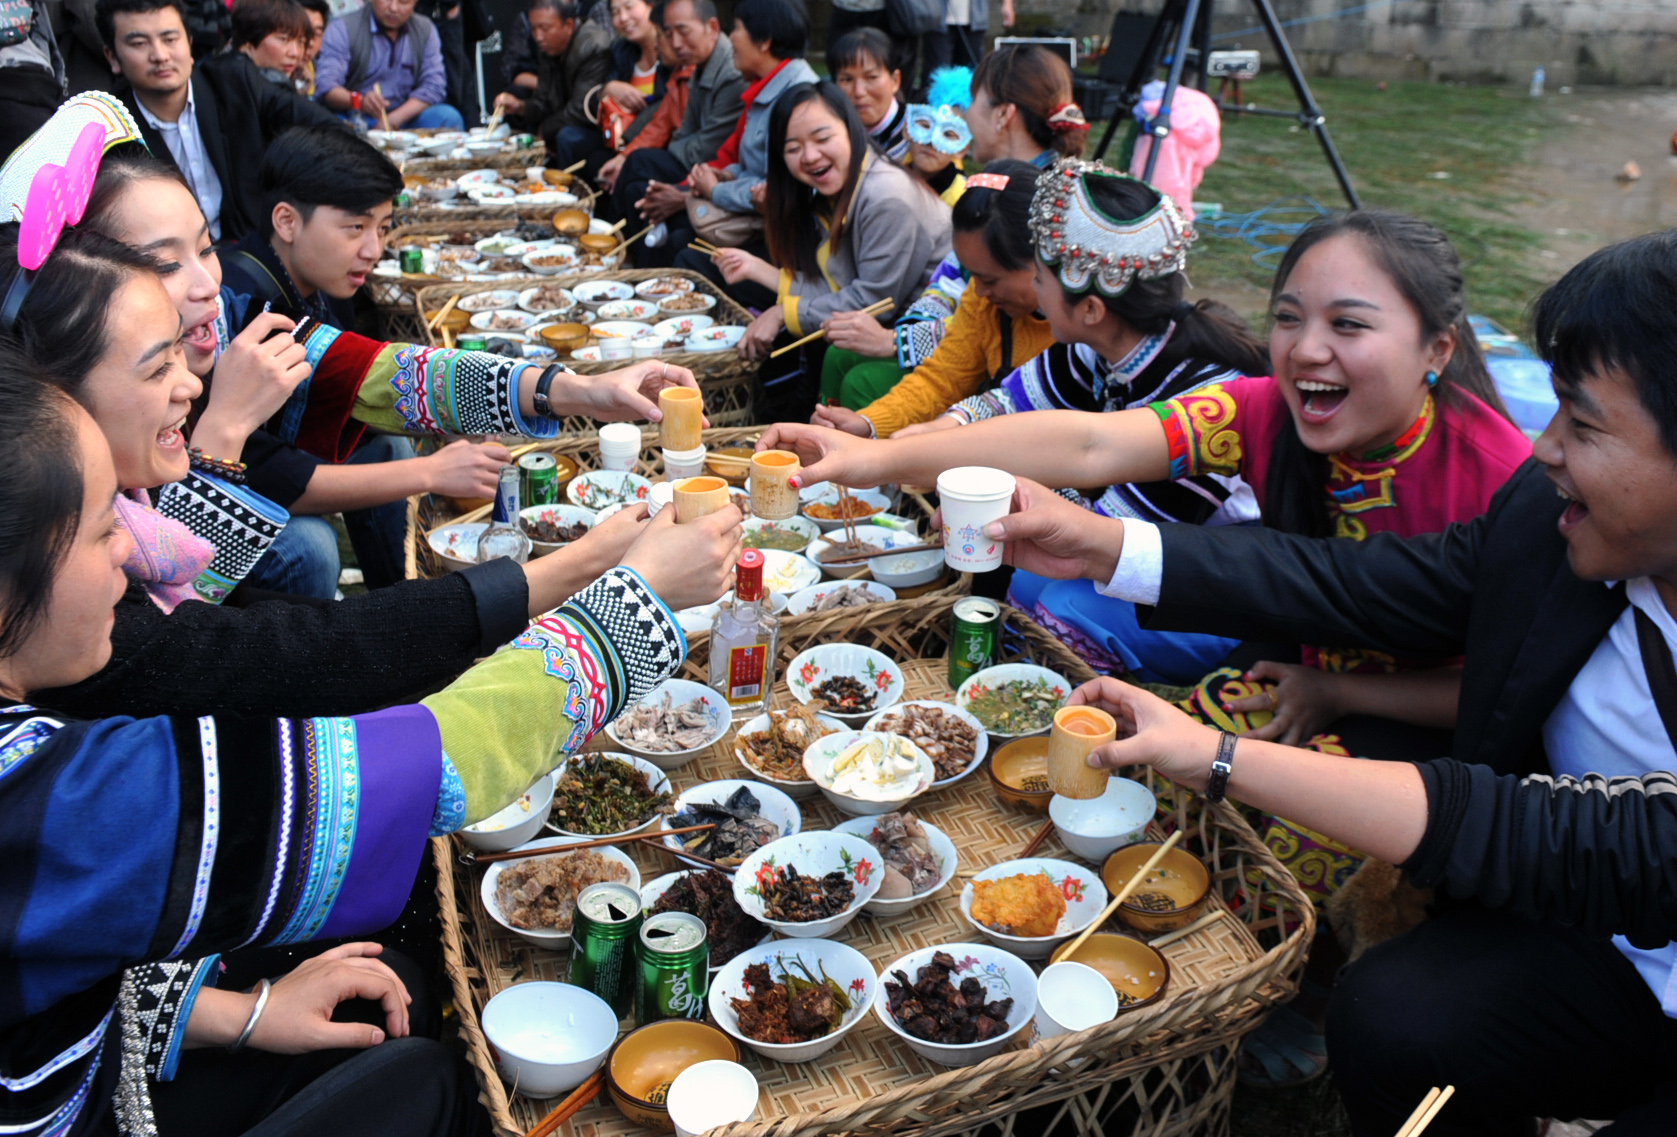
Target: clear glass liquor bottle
{"type": "Point", "coordinates": [743, 639]}
{"type": "Point", "coordinates": [505, 537]}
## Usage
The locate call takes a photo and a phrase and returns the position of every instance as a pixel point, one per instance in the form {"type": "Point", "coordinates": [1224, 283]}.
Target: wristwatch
{"type": "Point", "coordinates": [543, 406]}
{"type": "Point", "coordinates": [1221, 767]}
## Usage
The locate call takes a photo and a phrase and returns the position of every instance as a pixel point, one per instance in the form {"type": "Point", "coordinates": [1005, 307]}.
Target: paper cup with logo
{"type": "Point", "coordinates": [971, 498]}
{"type": "Point", "coordinates": [684, 418]}
{"type": "Point", "coordinates": [713, 1093]}
{"type": "Point", "coordinates": [679, 464]}
{"type": "Point", "coordinates": [620, 446]}
{"type": "Point", "coordinates": [1070, 997]}
{"type": "Point", "coordinates": [772, 498]}
{"type": "Point", "coordinates": [617, 347]}
{"type": "Point", "coordinates": [1077, 731]}
{"type": "Point", "coordinates": [699, 497]}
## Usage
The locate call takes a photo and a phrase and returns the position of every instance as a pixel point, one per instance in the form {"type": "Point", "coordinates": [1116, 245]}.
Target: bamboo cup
{"type": "Point", "coordinates": [772, 498]}
{"type": "Point", "coordinates": [699, 497]}
{"type": "Point", "coordinates": [684, 418]}
{"type": "Point", "coordinates": [1076, 733]}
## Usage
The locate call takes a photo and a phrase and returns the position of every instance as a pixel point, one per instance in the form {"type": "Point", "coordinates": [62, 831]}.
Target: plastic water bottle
{"type": "Point", "coordinates": [1537, 83]}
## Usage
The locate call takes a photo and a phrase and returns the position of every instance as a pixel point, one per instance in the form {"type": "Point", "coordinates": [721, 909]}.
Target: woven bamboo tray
{"type": "Point", "coordinates": [1165, 1070]}
{"type": "Point", "coordinates": [508, 160]}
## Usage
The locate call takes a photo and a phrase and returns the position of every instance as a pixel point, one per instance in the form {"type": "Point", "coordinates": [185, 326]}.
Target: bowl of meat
{"type": "Point", "coordinates": [552, 527]}
{"type": "Point", "coordinates": [517, 823]}
{"type": "Point", "coordinates": [600, 794]}
{"type": "Point", "coordinates": [502, 320]}
{"type": "Point", "coordinates": [1032, 905]}
{"type": "Point", "coordinates": [1014, 700]}
{"type": "Point", "coordinates": [833, 596]}
{"type": "Point", "coordinates": [747, 816]}
{"type": "Point", "coordinates": [953, 739]}
{"type": "Point", "coordinates": [958, 1004]}
{"type": "Point", "coordinates": [709, 895]}
{"type": "Point", "coordinates": [534, 898]}
{"type": "Point", "coordinates": [854, 682]}
{"type": "Point", "coordinates": [829, 511]}
{"type": "Point", "coordinates": [686, 304]}
{"type": "Point", "coordinates": [809, 885]}
{"type": "Point", "coordinates": [793, 1001]}
{"type": "Point", "coordinates": [919, 859]}
{"type": "Point", "coordinates": [550, 262]}
{"type": "Point", "coordinates": [864, 772]}
{"type": "Point", "coordinates": [676, 722]}
{"type": "Point", "coordinates": [771, 747]}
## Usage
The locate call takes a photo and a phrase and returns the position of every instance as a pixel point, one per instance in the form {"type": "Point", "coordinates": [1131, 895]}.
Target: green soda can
{"type": "Point", "coordinates": [401, 200]}
{"type": "Point", "coordinates": [523, 141]}
{"type": "Point", "coordinates": [413, 260]}
{"type": "Point", "coordinates": [540, 474]}
{"type": "Point", "coordinates": [673, 956]}
{"type": "Point", "coordinates": [972, 639]}
{"type": "Point", "coordinates": [603, 931]}
{"type": "Point", "coordinates": [472, 341]}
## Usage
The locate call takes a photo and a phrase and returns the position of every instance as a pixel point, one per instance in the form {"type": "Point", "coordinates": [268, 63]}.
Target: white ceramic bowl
{"type": "Point", "coordinates": [656, 780]}
{"type": "Point", "coordinates": [657, 886]}
{"type": "Point", "coordinates": [628, 310]}
{"type": "Point", "coordinates": [801, 789]}
{"type": "Point", "coordinates": [876, 535]}
{"type": "Point", "coordinates": [547, 197]}
{"type": "Point", "coordinates": [439, 193]}
{"type": "Point", "coordinates": [774, 806]}
{"type": "Point", "coordinates": [787, 573]}
{"type": "Point", "coordinates": [586, 355]}
{"type": "Point", "coordinates": [683, 325]}
{"type": "Point", "coordinates": [489, 301]}
{"type": "Point", "coordinates": [874, 498]}
{"type": "Point", "coordinates": [537, 937]}
{"type": "Point", "coordinates": [1096, 828]}
{"type": "Point", "coordinates": [526, 301]}
{"type": "Point", "coordinates": [456, 545]}
{"type": "Point", "coordinates": [907, 570]}
{"type": "Point", "coordinates": [873, 669]}
{"type": "Point", "coordinates": [554, 514]}
{"type": "Point", "coordinates": [518, 320]}
{"type": "Point", "coordinates": [717, 337]}
{"type": "Point", "coordinates": [517, 823]}
{"type": "Point", "coordinates": [592, 293]}
{"type": "Point", "coordinates": [477, 147]}
{"type": "Point", "coordinates": [1013, 673]}
{"type": "Point", "coordinates": [1004, 975]}
{"type": "Point", "coordinates": [621, 329]}
{"type": "Point", "coordinates": [815, 853]}
{"type": "Point", "coordinates": [818, 763]}
{"type": "Point", "coordinates": [1085, 897]}
{"type": "Point", "coordinates": [681, 692]}
{"type": "Point", "coordinates": [709, 304]}
{"type": "Point", "coordinates": [523, 247]}
{"type": "Point", "coordinates": [807, 599]}
{"type": "Point", "coordinates": [980, 749]}
{"type": "Point", "coordinates": [548, 1038]}
{"type": "Point", "coordinates": [804, 528]}
{"type": "Point", "coordinates": [839, 961]}
{"type": "Point", "coordinates": [645, 288]}
{"type": "Point", "coordinates": [599, 488]}
{"type": "Point", "coordinates": [491, 193]}
{"type": "Point", "coordinates": [942, 848]}
{"type": "Point", "coordinates": [536, 259]}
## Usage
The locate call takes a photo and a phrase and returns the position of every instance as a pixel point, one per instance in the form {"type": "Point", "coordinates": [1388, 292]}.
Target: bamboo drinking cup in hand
{"type": "Point", "coordinates": [772, 496]}
{"type": "Point", "coordinates": [684, 418]}
{"type": "Point", "coordinates": [1077, 732]}
{"type": "Point", "coordinates": [699, 497]}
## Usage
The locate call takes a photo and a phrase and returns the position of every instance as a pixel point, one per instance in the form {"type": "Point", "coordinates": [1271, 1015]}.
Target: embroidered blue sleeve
{"type": "Point", "coordinates": [451, 802]}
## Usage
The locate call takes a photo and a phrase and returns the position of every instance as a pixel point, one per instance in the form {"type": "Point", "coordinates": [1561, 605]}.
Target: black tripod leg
{"type": "Point", "coordinates": [1142, 73]}
{"type": "Point", "coordinates": [1159, 126]}
{"type": "Point", "coordinates": [1307, 101]}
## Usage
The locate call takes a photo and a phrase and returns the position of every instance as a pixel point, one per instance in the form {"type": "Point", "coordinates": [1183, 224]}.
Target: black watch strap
{"type": "Point", "coordinates": [1221, 767]}
{"type": "Point", "coordinates": [543, 407]}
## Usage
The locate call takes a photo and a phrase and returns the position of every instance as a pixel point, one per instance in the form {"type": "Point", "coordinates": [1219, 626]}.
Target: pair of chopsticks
{"type": "Point", "coordinates": [704, 247]}
{"type": "Point", "coordinates": [494, 120]}
{"type": "Point", "coordinates": [873, 309]}
{"type": "Point", "coordinates": [851, 544]}
{"type": "Point", "coordinates": [1426, 1111]}
{"type": "Point", "coordinates": [890, 552]}
{"type": "Point", "coordinates": [623, 839]}
{"type": "Point", "coordinates": [572, 1105]}
{"type": "Point", "coordinates": [383, 113]}
{"type": "Point", "coordinates": [431, 324]}
{"type": "Point", "coordinates": [624, 245]}
{"type": "Point", "coordinates": [682, 854]}
{"type": "Point", "coordinates": [1123, 894]}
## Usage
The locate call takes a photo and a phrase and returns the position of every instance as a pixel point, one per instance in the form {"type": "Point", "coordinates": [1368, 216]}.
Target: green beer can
{"type": "Point", "coordinates": [412, 259]}
{"type": "Point", "coordinates": [972, 639]}
{"type": "Point", "coordinates": [603, 931]}
{"type": "Point", "coordinates": [673, 956]}
{"type": "Point", "coordinates": [540, 476]}
{"type": "Point", "coordinates": [472, 341]}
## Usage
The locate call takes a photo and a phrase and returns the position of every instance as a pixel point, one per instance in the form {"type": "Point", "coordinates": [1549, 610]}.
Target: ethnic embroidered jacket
{"type": "Point", "coordinates": [130, 841]}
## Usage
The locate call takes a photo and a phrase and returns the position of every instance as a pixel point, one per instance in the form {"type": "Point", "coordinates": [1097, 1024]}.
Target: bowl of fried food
{"type": "Point", "coordinates": [676, 722]}
{"type": "Point", "coordinates": [809, 885]}
{"type": "Point", "coordinates": [552, 527]}
{"type": "Point", "coordinates": [772, 747]}
{"type": "Point", "coordinates": [1032, 905]}
{"type": "Point", "coordinates": [535, 897]}
{"type": "Point", "coordinates": [854, 682]}
{"type": "Point", "coordinates": [793, 1001]}
{"type": "Point", "coordinates": [957, 1004]}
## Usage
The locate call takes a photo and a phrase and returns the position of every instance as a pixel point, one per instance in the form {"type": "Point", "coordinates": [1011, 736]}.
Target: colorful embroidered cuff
{"type": "Point", "coordinates": [446, 391]}
{"type": "Point", "coordinates": [237, 520]}
{"type": "Point", "coordinates": [160, 997]}
{"type": "Point", "coordinates": [625, 613]}
{"type": "Point", "coordinates": [917, 340]}
{"type": "Point", "coordinates": [990, 404]}
{"type": "Point", "coordinates": [315, 344]}
{"type": "Point", "coordinates": [1199, 432]}
{"type": "Point", "coordinates": [451, 802]}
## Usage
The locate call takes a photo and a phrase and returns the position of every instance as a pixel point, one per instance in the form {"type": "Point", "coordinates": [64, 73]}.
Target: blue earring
{"type": "Point", "coordinates": [1432, 379]}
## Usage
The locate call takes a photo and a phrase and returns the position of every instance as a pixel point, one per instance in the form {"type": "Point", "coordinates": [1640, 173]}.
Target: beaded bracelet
{"type": "Point", "coordinates": [221, 467]}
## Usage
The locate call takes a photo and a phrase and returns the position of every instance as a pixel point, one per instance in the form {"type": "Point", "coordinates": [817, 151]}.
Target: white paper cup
{"type": "Point", "coordinates": [535, 174]}
{"type": "Point", "coordinates": [617, 347]}
{"type": "Point", "coordinates": [645, 347]}
{"type": "Point", "coordinates": [1071, 996]}
{"type": "Point", "coordinates": [708, 1094]}
{"type": "Point", "coordinates": [972, 497]}
{"type": "Point", "coordinates": [662, 494]}
{"type": "Point", "coordinates": [620, 446]}
{"type": "Point", "coordinates": [679, 464]}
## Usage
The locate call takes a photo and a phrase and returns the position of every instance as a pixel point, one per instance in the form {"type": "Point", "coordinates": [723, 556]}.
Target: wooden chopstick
{"type": "Point", "coordinates": [600, 843]}
{"type": "Point", "coordinates": [1123, 894]}
{"type": "Point", "coordinates": [704, 246]}
{"type": "Point", "coordinates": [494, 120]}
{"type": "Point", "coordinates": [846, 520]}
{"type": "Point", "coordinates": [1035, 843]}
{"type": "Point", "coordinates": [682, 854]}
{"type": "Point", "coordinates": [624, 244]}
{"type": "Point", "coordinates": [1431, 1112]}
{"type": "Point", "coordinates": [621, 221]}
{"type": "Point", "coordinates": [431, 324]}
{"type": "Point", "coordinates": [1426, 1104]}
{"type": "Point", "coordinates": [889, 552]}
{"type": "Point", "coordinates": [1183, 933]}
{"type": "Point", "coordinates": [573, 1104]}
{"type": "Point", "coordinates": [383, 113]}
{"type": "Point", "coordinates": [873, 309]}
{"type": "Point", "coordinates": [574, 167]}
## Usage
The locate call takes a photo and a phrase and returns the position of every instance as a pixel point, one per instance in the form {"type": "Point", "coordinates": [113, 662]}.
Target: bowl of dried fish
{"type": "Point", "coordinates": [535, 898]}
{"type": "Point", "coordinates": [608, 795]}
{"type": "Point", "coordinates": [793, 1001]}
{"type": "Point", "coordinates": [673, 725]}
{"type": "Point", "coordinates": [953, 739]}
{"type": "Point", "coordinates": [834, 596]}
{"type": "Point", "coordinates": [1018, 773]}
{"type": "Point", "coordinates": [771, 747]}
{"type": "Point", "coordinates": [1094, 828]}
{"type": "Point", "coordinates": [855, 682]}
{"type": "Point", "coordinates": [747, 816]}
{"type": "Point", "coordinates": [709, 895]}
{"type": "Point", "coordinates": [919, 859]}
{"type": "Point", "coordinates": [1014, 700]}
{"type": "Point", "coordinates": [865, 772]}
{"type": "Point", "coordinates": [958, 1004]}
{"type": "Point", "coordinates": [1174, 895]}
{"type": "Point", "coordinates": [552, 527]}
{"type": "Point", "coordinates": [1032, 905]}
{"type": "Point", "coordinates": [809, 885]}
{"type": "Point", "coordinates": [517, 823]}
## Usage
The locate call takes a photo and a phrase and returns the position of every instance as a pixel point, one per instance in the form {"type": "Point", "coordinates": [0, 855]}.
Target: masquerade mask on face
{"type": "Point", "coordinates": [1083, 245]}
{"type": "Point", "coordinates": [942, 128]}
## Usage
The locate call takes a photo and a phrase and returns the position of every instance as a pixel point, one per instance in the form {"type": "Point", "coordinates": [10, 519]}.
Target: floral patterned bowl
{"type": "Point", "coordinates": [823, 752]}
{"type": "Point", "coordinates": [991, 677]}
{"type": "Point", "coordinates": [1004, 976]}
{"type": "Point", "coordinates": [599, 488]}
{"type": "Point", "coordinates": [822, 957]}
{"type": "Point", "coordinates": [1085, 898]}
{"type": "Point", "coordinates": [814, 854]}
{"type": "Point", "coordinates": [874, 670]}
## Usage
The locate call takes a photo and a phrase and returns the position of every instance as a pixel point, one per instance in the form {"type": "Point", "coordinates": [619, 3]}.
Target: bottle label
{"type": "Point", "coordinates": [745, 672]}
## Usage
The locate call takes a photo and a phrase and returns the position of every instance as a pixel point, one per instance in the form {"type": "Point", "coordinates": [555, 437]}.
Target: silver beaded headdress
{"type": "Point", "coordinates": [1073, 236]}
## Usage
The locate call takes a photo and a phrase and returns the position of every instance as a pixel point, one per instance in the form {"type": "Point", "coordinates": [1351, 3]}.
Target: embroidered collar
{"type": "Point", "coordinates": [1406, 443]}
{"type": "Point", "coordinates": [1122, 373]}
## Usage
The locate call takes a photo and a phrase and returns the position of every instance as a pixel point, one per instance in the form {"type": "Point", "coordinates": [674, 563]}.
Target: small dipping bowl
{"type": "Point", "coordinates": [548, 1038]}
{"type": "Point", "coordinates": [646, 1062]}
{"type": "Point", "coordinates": [601, 243]}
{"type": "Point", "coordinates": [1010, 767]}
{"type": "Point", "coordinates": [1137, 971]}
{"type": "Point", "coordinates": [570, 222]}
{"type": "Point", "coordinates": [558, 178]}
{"type": "Point", "coordinates": [1185, 882]}
{"type": "Point", "coordinates": [565, 338]}
{"type": "Point", "coordinates": [1095, 828]}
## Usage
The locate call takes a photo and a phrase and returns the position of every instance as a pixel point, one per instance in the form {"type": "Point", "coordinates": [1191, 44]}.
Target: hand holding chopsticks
{"type": "Point", "coordinates": [873, 309]}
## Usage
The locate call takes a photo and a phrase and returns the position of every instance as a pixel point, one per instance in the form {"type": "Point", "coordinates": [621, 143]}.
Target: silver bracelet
{"type": "Point", "coordinates": [255, 1014]}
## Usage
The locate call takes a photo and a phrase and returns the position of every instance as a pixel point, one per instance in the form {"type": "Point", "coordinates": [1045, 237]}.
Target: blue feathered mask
{"type": "Point", "coordinates": [938, 122]}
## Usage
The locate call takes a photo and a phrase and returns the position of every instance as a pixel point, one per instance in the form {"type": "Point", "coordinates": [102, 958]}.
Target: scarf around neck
{"type": "Point", "coordinates": [167, 556]}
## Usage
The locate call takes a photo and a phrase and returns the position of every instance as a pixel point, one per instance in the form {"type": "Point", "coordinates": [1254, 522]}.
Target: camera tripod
{"type": "Point", "coordinates": [1184, 28]}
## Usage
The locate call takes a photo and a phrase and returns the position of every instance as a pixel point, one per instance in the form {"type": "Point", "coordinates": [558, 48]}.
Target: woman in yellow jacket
{"type": "Point", "coordinates": [995, 328]}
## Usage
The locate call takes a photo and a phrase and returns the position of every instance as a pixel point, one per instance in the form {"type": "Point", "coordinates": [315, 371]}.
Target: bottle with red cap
{"type": "Point", "coordinates": [743, 638]}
